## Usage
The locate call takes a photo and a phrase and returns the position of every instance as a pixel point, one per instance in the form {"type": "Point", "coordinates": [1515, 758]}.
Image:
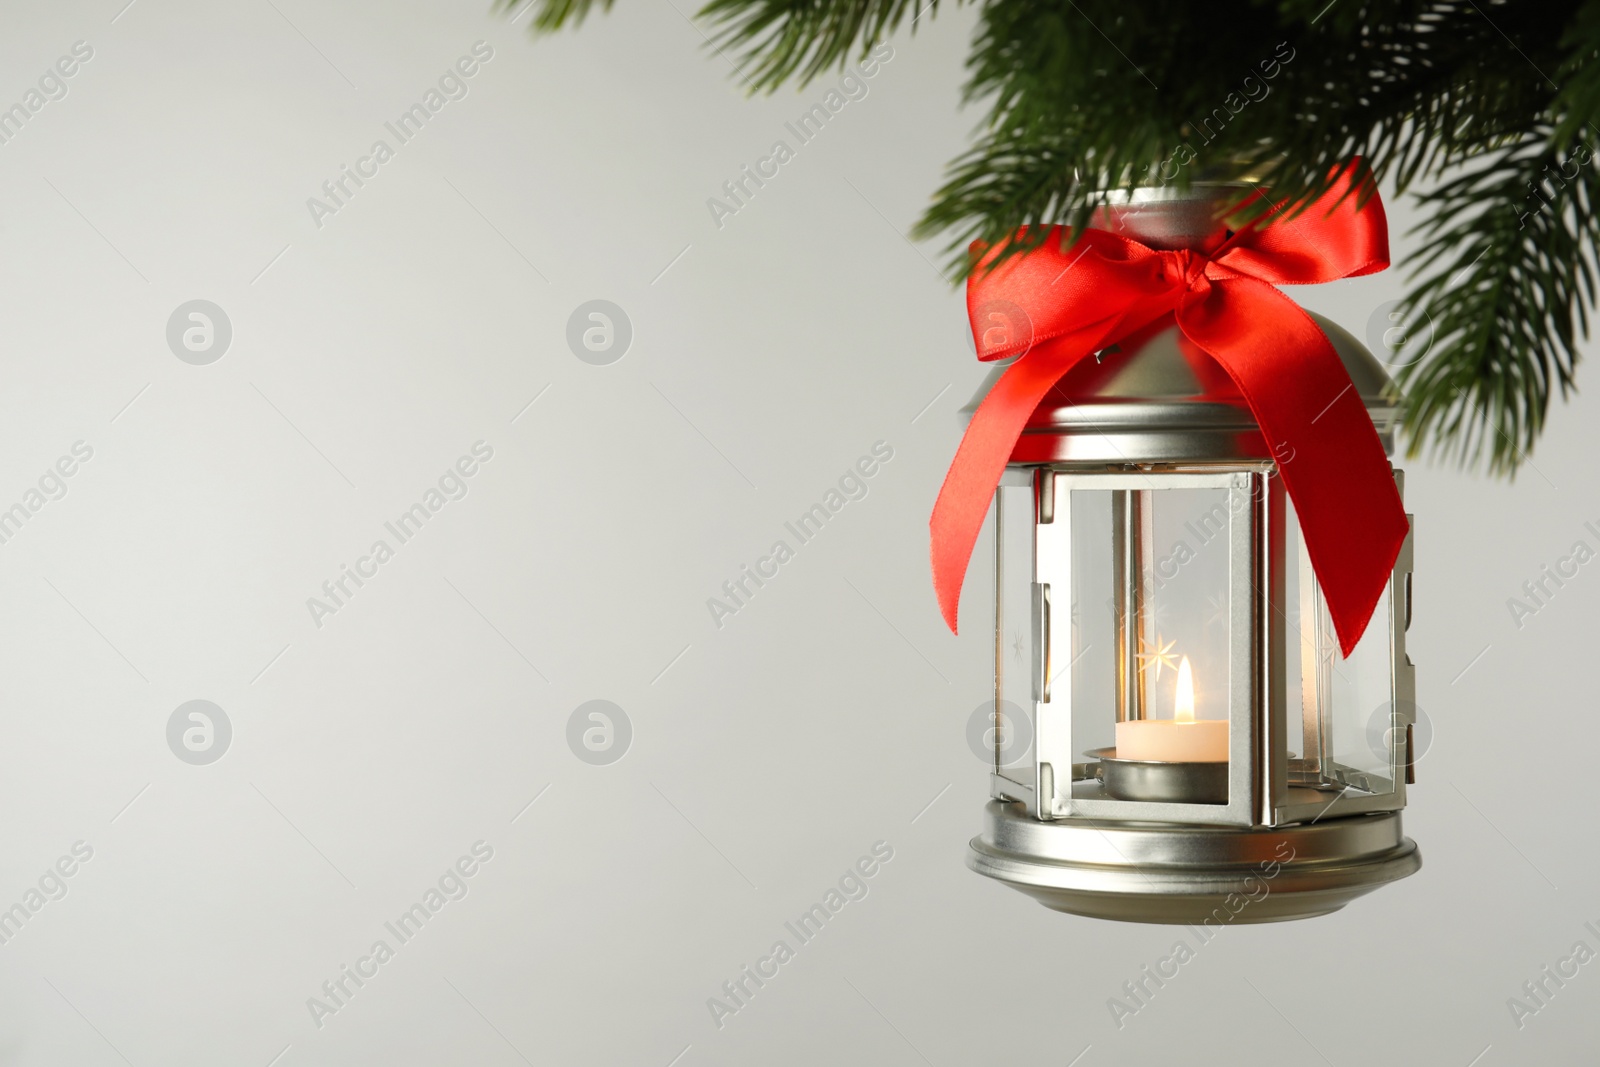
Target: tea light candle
{"type": "Point", "coordinates": [1180, 739]}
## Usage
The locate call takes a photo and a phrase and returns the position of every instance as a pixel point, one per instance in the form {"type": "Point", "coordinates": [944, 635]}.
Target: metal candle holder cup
{"type": "Point", "coordinates": [1160, 780]}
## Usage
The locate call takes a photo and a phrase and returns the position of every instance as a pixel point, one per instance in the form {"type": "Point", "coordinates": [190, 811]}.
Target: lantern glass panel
{"type": "Point", "coordinates": [1343, 729]}
{"type": "Point", "coordinates": [1016, 644]}
{"type": "Point", "coordinates": [1150, 587]}
{"type": "Point", "coordinates": [1093, 625]}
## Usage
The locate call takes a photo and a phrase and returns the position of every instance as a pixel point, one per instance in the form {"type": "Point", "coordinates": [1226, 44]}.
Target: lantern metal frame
{"type": "Point", "coordinates": [1056, 836]}
{"type": "Point", "coordinates": [1287, 789]}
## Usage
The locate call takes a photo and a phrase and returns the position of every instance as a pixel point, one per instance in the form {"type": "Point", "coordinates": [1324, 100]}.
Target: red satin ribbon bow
{"type": "Point", "coordinates": [1084, 298]}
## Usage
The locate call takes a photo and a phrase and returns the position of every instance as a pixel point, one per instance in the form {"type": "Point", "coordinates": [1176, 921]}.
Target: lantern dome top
{"type": "Point", "coordinates": [1156, 396]}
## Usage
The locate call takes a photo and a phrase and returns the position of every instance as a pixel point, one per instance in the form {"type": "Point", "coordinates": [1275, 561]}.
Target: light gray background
{"type": "Point", "coordinates": [370, 753]}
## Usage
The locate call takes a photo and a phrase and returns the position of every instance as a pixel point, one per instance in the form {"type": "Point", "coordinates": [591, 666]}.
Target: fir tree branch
{"type": "Point", "coordinates": [1504, 279]}
{"type": "Point", "coordinates": [552, 15]}
{"type": "Point", "coordinates": [782, 39]}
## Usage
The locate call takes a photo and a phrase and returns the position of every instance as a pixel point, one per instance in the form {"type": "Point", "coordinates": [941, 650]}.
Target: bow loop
{"type": "Point", "coordinates": [1345, 234]}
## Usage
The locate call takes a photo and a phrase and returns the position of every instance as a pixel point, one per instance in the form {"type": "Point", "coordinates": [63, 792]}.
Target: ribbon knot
{"type": "Point", "coordinates": [1186, 266]}
{"type": "Point", "coordinates": [1075, 301]}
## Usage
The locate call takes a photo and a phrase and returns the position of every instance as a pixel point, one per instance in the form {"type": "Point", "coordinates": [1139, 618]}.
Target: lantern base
{"type": "Point", "coordinates": [1167, 873]}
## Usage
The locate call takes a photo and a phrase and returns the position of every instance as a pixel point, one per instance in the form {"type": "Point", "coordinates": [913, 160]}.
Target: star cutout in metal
{"type": "Point", "coordinates": [1329, 653]}
{"type": "Point", "coordinates": [1158, 609]}
{"type": "Point", "coordinates": [1160, 657]}
{"type": "Point", "coordinates": [1219, 610]}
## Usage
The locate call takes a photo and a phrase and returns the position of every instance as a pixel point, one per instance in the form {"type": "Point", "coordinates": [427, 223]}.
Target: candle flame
{"type": "Point", "coordinates": [1183, 706]}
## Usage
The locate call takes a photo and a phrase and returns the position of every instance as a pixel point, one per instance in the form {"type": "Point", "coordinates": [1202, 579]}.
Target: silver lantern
{"type": "Point", "coordinates": [1148, 570]}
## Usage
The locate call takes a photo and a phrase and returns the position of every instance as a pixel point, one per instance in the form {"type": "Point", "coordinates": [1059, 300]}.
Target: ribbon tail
{"type": "Point", "coordinates": [969, 485]}
{"type": "Point", "coordinates": [1330, 458]}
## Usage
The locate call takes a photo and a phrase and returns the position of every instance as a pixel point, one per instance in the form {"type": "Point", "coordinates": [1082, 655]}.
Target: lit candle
{"type": "Point", "coordinates": [1180, 739]}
